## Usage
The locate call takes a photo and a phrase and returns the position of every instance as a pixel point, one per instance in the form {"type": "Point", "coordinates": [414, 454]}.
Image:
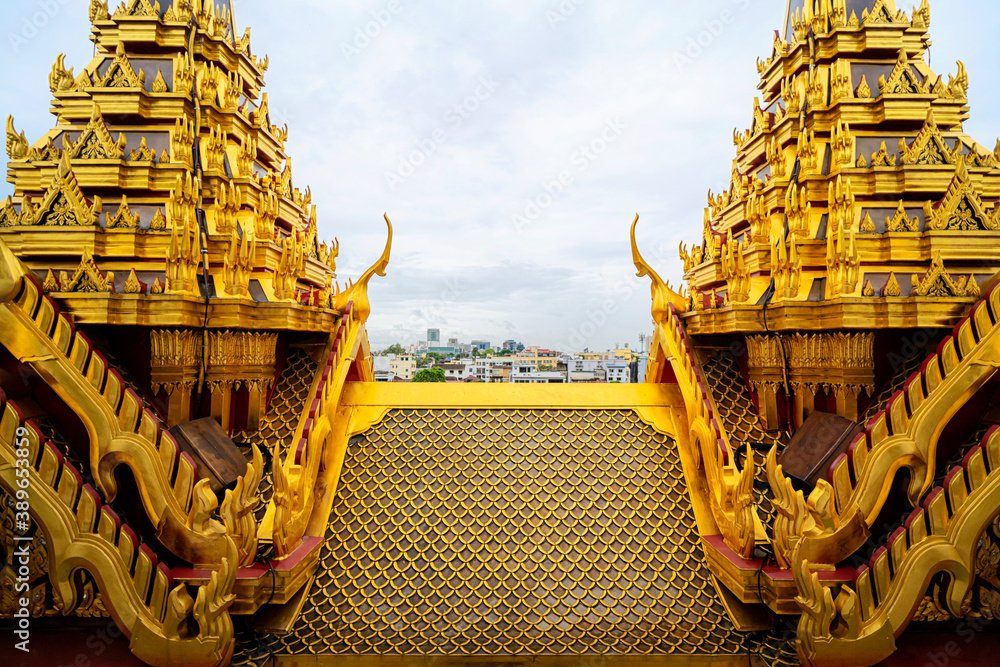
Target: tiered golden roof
{"type": "Point", "coordinates": [855, 194]}
{"type": "Point", "coordinates": [164, 169]}
{"type": "Point", "coordinates": [856, 202]}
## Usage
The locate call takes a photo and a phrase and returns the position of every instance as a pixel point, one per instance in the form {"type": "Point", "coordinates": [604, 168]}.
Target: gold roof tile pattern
{"type": "Point", "coordinates": [512, 532]}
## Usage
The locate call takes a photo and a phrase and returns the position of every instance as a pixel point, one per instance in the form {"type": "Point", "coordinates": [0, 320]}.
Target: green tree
{"type": "Point", "coordinates": [393, 349]}
{"type": "Point", "coordinates": [430, 375]}
{"type": "Point", "coordinates": [543, 368]}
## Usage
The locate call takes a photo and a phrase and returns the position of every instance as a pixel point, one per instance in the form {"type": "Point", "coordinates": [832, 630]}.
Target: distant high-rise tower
{"type": "Point", "coordinates": [433, 336]}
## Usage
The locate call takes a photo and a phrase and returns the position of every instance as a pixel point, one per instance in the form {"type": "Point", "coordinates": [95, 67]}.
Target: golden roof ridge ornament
{"type": "Point", "coordinates": [662, 294]}
{"type": "Point", "coordinates": [358, 292]}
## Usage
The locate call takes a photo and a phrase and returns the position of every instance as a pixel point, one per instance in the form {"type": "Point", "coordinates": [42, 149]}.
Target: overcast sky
{"type": "Point", "coordinates": [506, 97]}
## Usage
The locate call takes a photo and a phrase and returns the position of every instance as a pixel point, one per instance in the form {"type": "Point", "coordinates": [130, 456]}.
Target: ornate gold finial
{"type": "Point", "coordinates": [799, 210]}
{"type": "Point", "coordinates": [184, 74]}
{"type": "Point", "coordinates": [842, 258]}
{"type": "Point", "coordinates": [786, 266]}
{"type": "Point", "coordinates": [922, 16]}
{"type": "Point", "coordinates": [328, 254]}
{"type": "Point", "coordinates": [864, 91]}
{"type": "Point", "coordinates": [183, 257]}
{"type": "Point", "coordinates": [17, 144]}
{"type": "Point", "coordinates": [216, 148]}
{"type": "Point", "coordinates": [892, 288]}
{"type": "Point", "coordinates": [228, 203]}
{"type": "Point", "coordinates": [98, 10]}
{"type": "Point", "coordinates": [159, 221]}
{"type": "Point", "coordinates": [266, 213]}
{"type": "Point", "coordinates": [357, 293]}
{"type": "Point", "coordinates": [842, 143]}
{"type": "Point", "coordinates": [143, 153]}
{"type": "Point", "coordinates": [133, 285]}
{"type": "Point", "coordinates": [286, 274]}
{"type": "Point", "coordinates": [159, 83]}
{"type": "Point", "coordinates": [238, 264]}
{"type": "Point", "coordinates": [51, 283]}
{"type": "Point", "coordinates": [181, 142]}
{"type": "Point", "coordinates": [124, 218]}
{"type": "Point", "coordinates": [883, 158]}
{"type": "Point", "coordinates": [662, 295]}
{"type": "Point", "coordinates": [87, 278]}
{"type": "Point", "coordinates": [867, 224]}
{"type": "Point", "coordinates": [61, 79]}
{"type": "Point", "coordinates": [841, 79]}
{"type": "Point", "coordinates": [901, 222]}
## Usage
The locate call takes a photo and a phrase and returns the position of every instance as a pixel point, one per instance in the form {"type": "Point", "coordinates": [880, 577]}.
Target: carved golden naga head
{"type": "Point", "coordinates": [662, 294]}
{"type": "Point", "coordinates": [358, 292]}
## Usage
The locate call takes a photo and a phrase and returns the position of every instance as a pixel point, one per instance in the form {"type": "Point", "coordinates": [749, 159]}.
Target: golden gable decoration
{"type": "Point", "coordinates": [51, 283]}
{"type": "Point", "coordinates": [87, 278]}
{"type": "Point", "coordinates": [883, 11]}
{"type": "Point", "coordinates": [121, 73]}
{"type": "Point", "coordinates": [892, 287]}
{"type": "Point", "coordinates": [961, 209]}
{"type": "Point", "coordinates": [929, 147]}
{"type": "Point", "coordinates": [902, 80]}
{"type": "Point", "coordinates": [96, 142]}
{"type": "Point", "coordinates": [937, 282]}
{"type": "Point", "coordinates": [63, 203]}
{"type": "Point", "coordinates": [47, 152]}
{"type": "Point", "coordinates": [9, 217]}
{"type": "Point", "coordinates": [138, 8]}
